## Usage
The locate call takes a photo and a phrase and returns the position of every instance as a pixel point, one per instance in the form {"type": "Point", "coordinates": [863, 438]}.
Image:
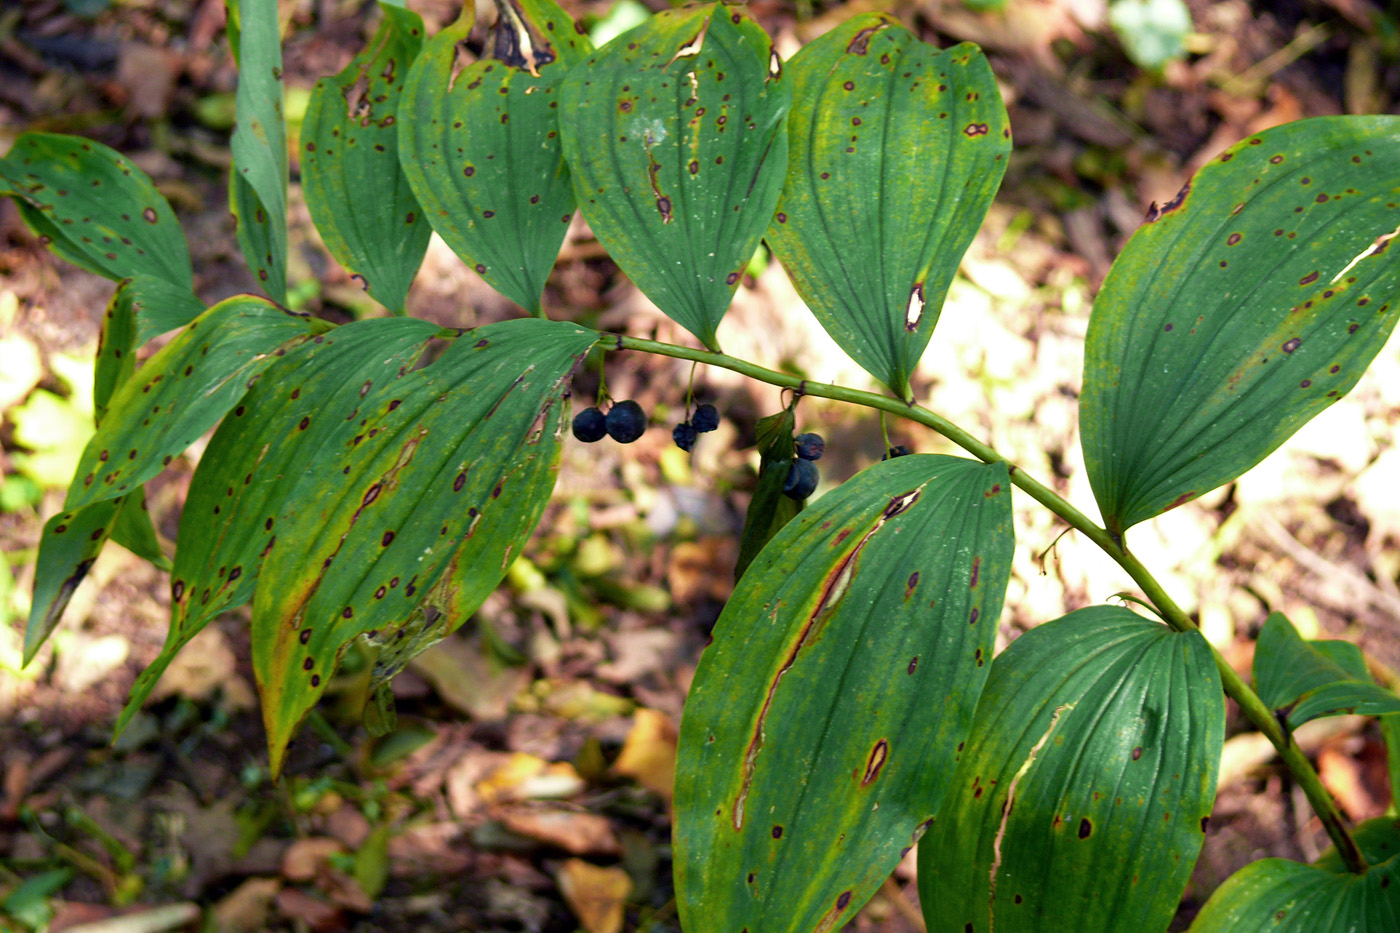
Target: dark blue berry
{"type": "Point", "coordinates": [684, 434]}
{"type": "Point", "coordinates": [626, 422]}
{"type": "Point", "coordinates": [801, 479]}
{"type": "Point", "coordinates": [810, 446]}
{"type": "Point", "coordinates": [590, 425]}
{"type": "Point", "coordinates": [899, 450]}
{"type": "Point", "coordinates": [705, 419]}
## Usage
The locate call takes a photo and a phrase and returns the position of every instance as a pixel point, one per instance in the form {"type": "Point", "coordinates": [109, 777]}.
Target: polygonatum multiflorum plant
{"type": "Point", "coordinates": [359, 488]}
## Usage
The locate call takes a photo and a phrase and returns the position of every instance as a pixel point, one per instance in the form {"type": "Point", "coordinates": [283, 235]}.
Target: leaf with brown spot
{"type": "Point", "coordinates": [1232, 318]}
{"type": "Point", "coordinates": [1091, 763]}
{"type": "Point", "coordinates": [897, 151]}
{"type": "Point", "coordinates": [92, 203]}
{"type": "Point", "coordinates": [1284, 896]}
{"type": "Point", "coordinates": [810, 753]}
{"type": "Point", "coordinates": [355, 189]}
{"type": "Point", "coordinates": [480, 144]}
{"type": "Point", "coordinates": [693, 84]}
{"type": "Point", "coordinates": [329, 572]}
{"type": "Point", "coordinates": [252, 462]}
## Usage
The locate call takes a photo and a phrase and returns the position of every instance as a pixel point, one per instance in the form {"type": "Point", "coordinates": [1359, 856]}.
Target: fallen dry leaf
{"type": "Point", "coordinates": [306, 858]}
{"type": "Point", "coordinates": [574, 831]}
{"type": "Point", "coordinates": [595, 894]}
{"type": "Point", "coordinates": [649, 754]}
{"type": "Point", "coordinates": [527, 777]}
{"type": "Point", "coordinates": [246, 909]}
{"type": "Point", "coordinates": [295, 904]}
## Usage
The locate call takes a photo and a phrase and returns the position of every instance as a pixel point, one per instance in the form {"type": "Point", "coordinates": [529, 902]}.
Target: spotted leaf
{"type": "Point", "coordinates": [674, 134]}
{"type": "Point", "coordinates": [1091, 767]}
{"type": "Point", "coordinates": [444, 470]}
{"type": "Point", "coordinates": [229, 518]}
{"type": "Point", "coordinates": [824, 719]}
{"type": "Point", "coordinates": [356, 191]}
{"type": "Point", "coordinates": [897, 151]}
{"type": "Point", "coordinates": [1243, 307]}
{"type": "Point", "coordinates": [481, 144]}
{"type": "Point", "coordinates": [181, 392]}
{"type": "Point", "coordinates": [95, 208]}
{"type": "Point", "coordinates": [258, 181]}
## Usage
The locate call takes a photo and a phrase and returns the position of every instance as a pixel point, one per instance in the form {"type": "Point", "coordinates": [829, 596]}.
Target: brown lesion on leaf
{"type": "Point", "coordinates": [1154, 212]}
{"type": "Point", "coordinates": [878, 756]}
{"type": "Point", "coordinates": [860, 44]}
{"type": "Point", "coordinates": [462, 59]}
{"type": "Point", "coordinates": [692, 47]}
{"type": "Point", "coordinates": [517, 43]}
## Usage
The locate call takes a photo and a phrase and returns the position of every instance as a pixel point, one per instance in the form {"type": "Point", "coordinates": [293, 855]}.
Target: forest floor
{"type": "Point", "coordinates": [535, 746]}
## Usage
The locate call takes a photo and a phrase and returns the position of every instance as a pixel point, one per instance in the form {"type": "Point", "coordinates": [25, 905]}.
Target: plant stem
{"type": "Point", "coordinates": [1234, 685]}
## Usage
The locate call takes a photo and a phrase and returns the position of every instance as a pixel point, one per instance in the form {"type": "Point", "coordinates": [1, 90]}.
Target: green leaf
{"type": "Point", "coordinates": [1378, 840]}
{"type": "Point", "coordinates": [769, 510]}
{"type": "Point", "coordinates": [1390, 730]}
{"type": "Point", "coordinates": [430, 482]}
{"type": "Point", "coordinates": [96, 208]}
{"type": "Point", "coordinates": [135, 531]}
{"type": "Point", "coordinates": [1083, 795]}
{"type": "Point", "coordinates": [897, 151]}
{"type": "Point", "coordinates": [823, 723]}
{"type": "Point", "coordinates": [674, 134]}
{"type": "Point", "coordinates": [181, 392]}
{"type": "Point", "coordinates": [229, 518]}
{"type": "Point", "coordinates": [139, 309]}
{"type": "Point", "coordinates": [1302, 680]}
{"type": "Point", "coordinates": [1281, 896]}
{"type": "Point", "coordinates": [1243, 307]}
{"type": "Point", "coordinates": [258, 182]}
{"type": "Point", "coordinates": [1153, 32]}
{"type": "Point", "coordinates": [481, 147]}
{"type": "Point", "coordinates": [356, 192]}
{"type": "Point", "coordinates": [68, 547]}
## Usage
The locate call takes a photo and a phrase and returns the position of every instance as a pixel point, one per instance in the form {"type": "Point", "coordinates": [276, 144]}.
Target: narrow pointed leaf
{"type": "Point", "coordinates": [825, 717]}
{"type": "Point", "coordinates": [258, 181]}
{"type": "Point", "coordinates": [135, 531]}
{"type": "Point", "coordinates": [481, 149]}
{"type": "Point", "coordinates": [674, 134]}
{"type": "Point", "coordinates": [897, 151]}
{"type": "Point", "coordinates": [1302, 680]}
{"type": "Point", "coordinates": [1280, 896]}
{"type": "Point", "coordinates": [356, 192]}
{"type": "Point", "coordinates": [452, 463]}
{"type": "Point", "coordinates": [1243, 307]}
{"type": "Point", "coordinates": [96, 208]}
{"type": "Point", "coordinates": [69, 545]}
{"type": "Point", "coordinates": [1091, 769]}
{"type": "Point", "coordinates": [769, 510]}
{"type": "Point", "coordinates": [139, 309]}
{"type": "Point", "coordinates": [181, 392]}
{"type": "Point", "coordinates": [229, 519]}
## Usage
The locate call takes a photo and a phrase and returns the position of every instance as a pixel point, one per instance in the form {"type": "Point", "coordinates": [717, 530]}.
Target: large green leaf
{"type": "Point", "coordinates": [96, 208]}
{"type": "Point", "coordinates": [1247, 304]}
{"type": "Point", "coordinates": [139, 309]}
{"type": "Point", "coordinates": [181, 392]}
{"type": "Point", "coordinates": [824, 720]}
{"type": "Point", "coordinates": [356, 192]}
{"type": "Point", "coordinates": [1378, 840]}
{"type": "Point", "coordinates": [448, 467]}
{"type": "Point", "coordinates": [258, 181]}
{"type": "Point", "coordinates": [674, 134]}
{"type": "Point", "coordinates": [897, 151]}
{"type": "Point", "coordinates": [481, 144]}
{"type": "Point", "coordinates": [277, 429]}
{"type": "Point", "coordinates": [1281, 896]}
{"type": "Point", "coordinates": [1302, 680]}
{"type": "Point", "coordinates": [1083, 794]}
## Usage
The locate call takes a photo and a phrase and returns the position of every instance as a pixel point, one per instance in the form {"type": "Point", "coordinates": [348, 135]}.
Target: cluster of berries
{"type": "Point", "coordinates": [624, 423]}
{"type": "Point", "coordinates": [705, 419]}
{"type": "Point", "coordinates": [801, 479]}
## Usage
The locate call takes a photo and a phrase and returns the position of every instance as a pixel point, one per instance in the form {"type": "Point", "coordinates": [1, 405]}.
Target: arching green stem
{"type": "Point", "coordinates": [1235, 687]}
